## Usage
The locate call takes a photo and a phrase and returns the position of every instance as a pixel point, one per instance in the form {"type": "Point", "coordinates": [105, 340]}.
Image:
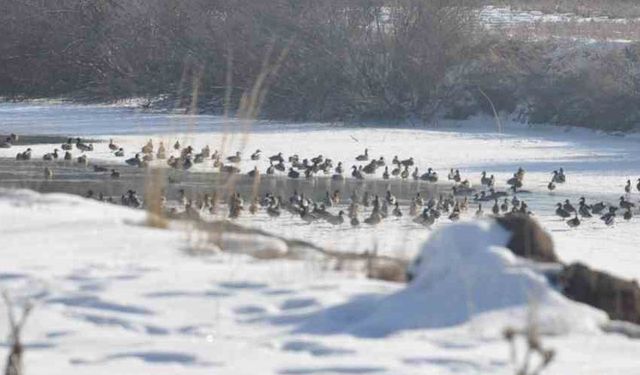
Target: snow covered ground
{"type": "Point", "coordinates": [115, 296]}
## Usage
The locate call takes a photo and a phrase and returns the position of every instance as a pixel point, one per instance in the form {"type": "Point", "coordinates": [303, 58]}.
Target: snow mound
{"type": "Point", "coordinates": [464, 273]}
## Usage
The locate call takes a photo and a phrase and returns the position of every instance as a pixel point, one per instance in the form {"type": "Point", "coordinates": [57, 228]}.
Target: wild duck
{"type": "Point", "coordinates": [112, 146]}
{"type": "Point", "coordinates": [515, 181]}
{"type": "Point", "coordinates": [67, 146]}
{"type": "Point", "coordinates": [609, 217]}
{"type": "Point", "coordinates": [336, 220]}
{"type": "Point", "coordinates": [380, 162]}
{"type": "Point", "coordinates": [147, 158]}
{"type": "Point", "coordinates": [598, 208]}
{"type": "Point", "coordinates": [374, 219]}
{"type": "Point", "coordinates": [408, 162]}
{"type": "Point", "coordinates": [293, 173]}
{"type": "Point", "coordinates": [274, 209]}
{"type": "Point", "coordinates": [48, 173]}
{"type": "Point", "coordinates": [230, 169]}
{"type": "Point", "coordinates": [561, 176]}
{"type": "Point", "coordinates": [271, 169]}
{"type": "Point", "coordinates": [277, 158]}
{"type": "Point", "coordinates": [83, 160]}
{"type": "Point", "coordinates": [339, 169]}
{"type": "Point", "coordinates": [198, 159]}
{"type": "Point", "coordinates": [504, 207]}
{"type": "Point", "coordinates": [235, 158]}
{"type": "Point", "coordinates": [568, 206]}
{"type": "Point", "coordinates": [583, 209]}
{"type": "Point", "coordinates": [396, 210]}
{"type": "Point", "coordinates": [425, 218]}
{"type": "Point", "coordinates": [119, 153]}
{"type": "Point", "coordinates": [560, 211]}
{"type": "Point", "coordinates": [415, 175]}
{"type": "Point", "coordinates": [162, 152]}
{"type": "Point", "coordinates": [51, 156]}
{"type": "Point", "coordinates": [455, 215]}
{"type": "Point", "coordinates": [147, 148]}
{"type": "Point", "coordinates": [484, 180]}
{"type": "Point", "coordinates": [574, 222]}
{"type": "Point", "coordinates": [99, 168]}
{"type": "Point", "coordinates": [115, 174]}
{"type": "Point", "coordinates": [628, 214]}
{"type": "Point", "coordinates": [280, 166]}
{"type": "Point", "coordinates": [363, 157]}
{"type": "Point", "coordinates": [385, 174]}
{"type": "Point", "coordinates": [134, 161]}
{"type": "Point", "coordinates": [430, 176]}
{"type": "Point", "coordinates": [357, 173]}
{"type": "Point", "coordinates": [307, 216]}
{"type": "Point", "coordinates": [627, 187]}
{"type": "Point", "coordinates": [626, 204]}
{"type": "Point", "coordinates": [68, 155]}
{"type": "Point", "coordinates": [83, 146]}
{"type": "Point", "coordinates": [176, 146]}
{"type": "Point", "coordinates": [355, 221]}
{"type": "Point", "coordinates": [405, 173]}
{"type": "Point", "coordinates": [370, 168]}
{"type": "Point", "coordinates": [25, 155]}
{"type": "Point", "coordinates": [254, 172]}
{"type": "Point", "coordinates": [479, 212]}
{"type": "Point", "coordinates": [496, 208]}
{"type": "Point", "coordinates": [396, 171]}
{"type": "Point", "coordinates": [256, 155]}
{"type": "Point", "coordinates": [551, 186]}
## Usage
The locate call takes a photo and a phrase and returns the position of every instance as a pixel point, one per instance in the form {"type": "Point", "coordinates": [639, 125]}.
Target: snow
{"type": "Point", "coordinates": [115, 296]}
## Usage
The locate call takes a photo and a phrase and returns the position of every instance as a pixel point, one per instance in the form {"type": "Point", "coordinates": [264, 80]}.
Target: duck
{"type": "Point", "coordinates": [627, 187]}
{"type": "Point", "coordinates": [293, 173]}
{"type": "Point", "coordinates": [67, 146]}
{"type": "Point", "coordinates": [408, 162]}
{"type": "Point", "coordinates": [99, 168]}
{"type": "Point", "coordinates": [479, 212]}
{"type": "Point", "coordinates": [112, 146]}
{"type": "Point", "coordinates": [575, 222]}
{"type": "Point", "coordinates": [277, 158]}
{"type": "Point", "coordinates": [273, 210]}
{"type": "Point", "coordinates": [205, 152]}
{"type": "Point", "coordinates": [628, 214]}
{"type": "Point", "coordinates": [626, 204]}
{"type": "Point", "coordinates": [119, 153]}
{"type": "Point", "coordinates": [396, 210]}
{"type": "Point", "coordinates": [380, 162]}
{"type": "Point", "coordinates": [115, 174]}
{"type": "Point", "coordinates": [396, 171]}
{"type": "Point", "coordinates": [363, 157]}
{"type": "Point", "coordinates": [25, 155]}
{"type": "Point", "coordinates": [370, 168]}
{"type": "Point", "coordinates": [51, 156]}
{"type": "Point", "coordinates": [68, 155]}
{"type": "Point", "coordinates": [134, 161]}
{"type": "Point", "coordinates": [83, 146]}
{"type": "Point", "coordinates": [254, 172]}
{"type": "Point", "coordinates": [583, 209]}
{"type": "Point", "coordinates": [176, 146]}
{"type": "Point", "coordinates": [147, 148]}
{"type": "Point", "coordinates": [280, 166]}
{"type": "Point", "coordinates": [355, 221]}
{"type": "Point", "coordinates": [230, 169]}
{"type": "Point", "coordinates": [385, 174]}
{"type": "Point", "coordinates": [270, 169]}
{"type": "Point", "coordinates": [484, 180]}
{"type": "Point", "coordinates": [455, 215]}
{"type": "Point", "coordinates": [336, 220]}
{"type": "Point", "coordinates": [430, 176]}
{"type": "Point", "coordinates": [560, 211]}
{"type": "Point", "coordinates": [162, 153]}
{"type": "Point", "coordinates": [307, 216]}
{"type": "Point", "coordinates": [357, 173]}
{"type": "Point", "coordinates": [48, 173]}
{"type": "Point", "coordinates": [256, 155]}
{"type": "Point", "coordinates": [598, 207]}
{"type": "Point", "coordinates": [551, 186]}
{"type": "Point", "coordinates": [609, 217]}
{"type": "Point", "coordinates": [425, 218]}
{"type": "Point", "coordinates": [374, 219]}
{"type": "Point", "coordinates": [496, 208]}
{"type": "Point", "coordinates": [568, 206]}
{"type": "Point", "coordinates": [561, 176]}
{"type": "Point", "coordinates": [339, 169]}
{"type": "Point", "coordinates": [234, 158]}
{"type": "Point", "coordinates": [415, 175]}
{"type": "Point", "coordinates": [504, 207]}
{"type": "Point", "coordinates": [83, 160]}
{"type": "Point", "coordinates": [405, 173]}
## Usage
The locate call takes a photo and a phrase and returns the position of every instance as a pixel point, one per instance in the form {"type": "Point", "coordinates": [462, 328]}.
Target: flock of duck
{"type": "Point", "coordinates": [424, 211]}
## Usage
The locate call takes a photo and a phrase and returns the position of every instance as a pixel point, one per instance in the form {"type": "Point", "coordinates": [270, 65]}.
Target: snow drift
{"type": "Point", "coordinates": [464, 273]}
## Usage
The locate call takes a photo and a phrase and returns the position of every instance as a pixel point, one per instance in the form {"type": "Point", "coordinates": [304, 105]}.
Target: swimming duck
{"type": "Point", "coordinates": [496, 208]}
{"type": "Point", "coordinates": [385, 174]}
{"type": "Point", "coordinates": [147, 148]}
{"type": "Point", "coordinates": [176, 146]}
{"type": "Point", "coordinates": [67, 155]}
{"type": "Point", "coordinates": [551, 186]}
{"type": "Point", "coordinates": [598, 207]}
{"type": "Point", "coordinates": [455, 215]}
{"type": "Point", "coordinates": [25, 155]}
{"type": "Point", "coordinates": [363, 157]}
{"type": "Point", "coordinates": [408, 162]}
{"type": "Point", "coordinates": [504, 207]}
{"type": "Point", "coordinates": [51, 156]}
{"type": "Point", "coordinates": [274, 209]}
{"type": "Point", "coordinates": [574, 222]}
{"type": "Point", "coordinates": [235, 158]}
{"type": "Point", "coordinates": [390, 198]}
{"type": "Point", "coordinates": [271, 169]}
{"type": "Point", "coordinates": [280, 166]}
{"type": "Point", "coordinates": [48, 173]}
{"type": "Point", "coordinates": [205, 152]}
{"type": "Point", "coordinates": [370, 168]}
{"type": "Point", "coordinates": [115, 174]}
{"type": "Point", "coordinates": [396, 210]}
{"type": "Point", "coordinates": [609, 217]}
{"type": "Point", "coordinates": [560, 211]}
{"type": "Point", "coordinates": [380, 162]}
{"type": "Point", "coordinates": [415, 175]}
{"type": "Point", "coordinates": [256, 155]}
{"type": "Point", "coordinates": [396, 171]}
{"type": "Point", "coordinates": [99, 168]}
{"type": "Point", "coordinates": [355, 221]}
{"type": "Point", "coordinates": [134, 161]}
{"type": "Point", "coordinates": [307, 216]}
{"type": "Point", "coordinates": [561, 176]}
{"type": "Point", "coordinates": [187, 163]}
{"type": "Point", "coordinates": [119, 153]}
{"type": "Point", "coordinates": [425, 218]}
{"type": "Point", "coordinates": [374, 219]}
{"type": "Point", "coordinates": [484, 180]}
{"type": "Point", "coordinates": [230, 169]}
{"type": "Point", "coordinates": [627, 187]}
{"type": "Point", "coordinates": [583, 209]}
{"type": "Point", "coordinates": [339, 169]}
{"type": "Point", "coordinates": [431, 176]}
{"type": "Point", "coordinates": [628, 214]}
{"type": "Point", "coordinates": [112, 146]}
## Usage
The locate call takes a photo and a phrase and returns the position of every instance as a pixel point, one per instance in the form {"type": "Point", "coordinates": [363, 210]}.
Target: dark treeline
{"type": "Point", "coordinates": [310, 60]}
